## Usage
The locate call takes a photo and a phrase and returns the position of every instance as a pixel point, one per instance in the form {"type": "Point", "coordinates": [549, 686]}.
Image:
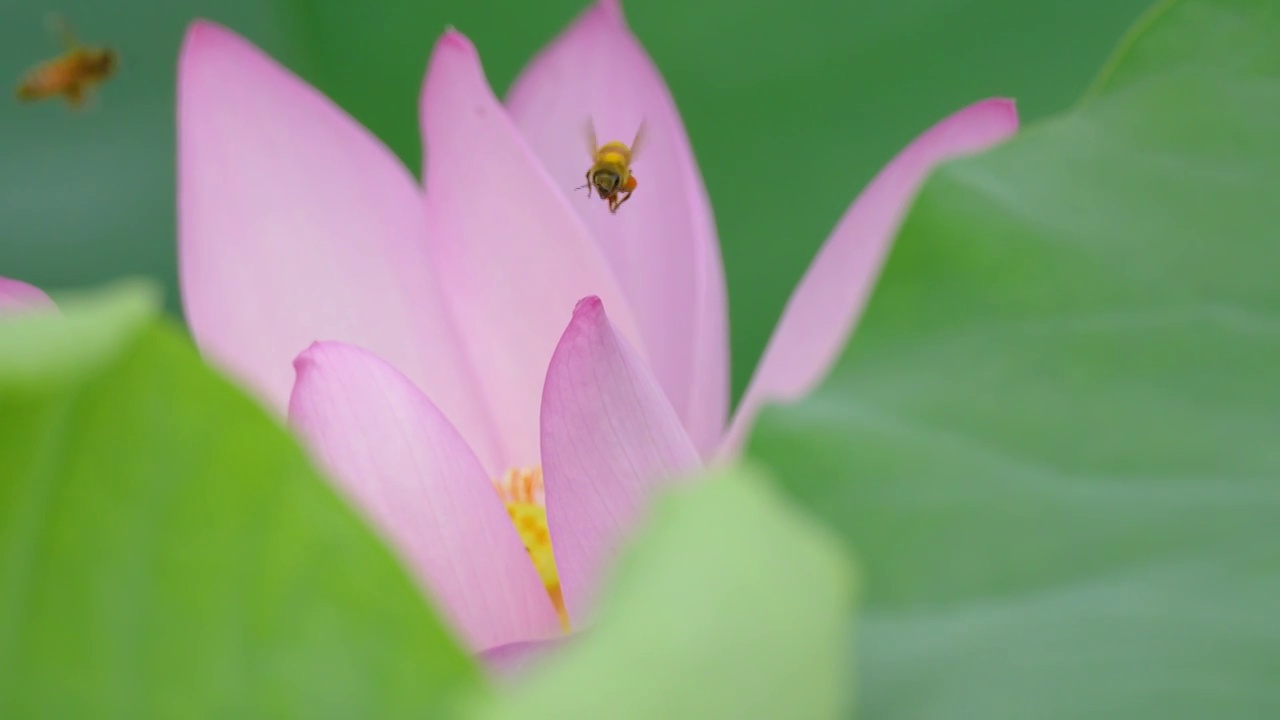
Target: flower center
{"type": "Point", "coordinates": [521, 491]}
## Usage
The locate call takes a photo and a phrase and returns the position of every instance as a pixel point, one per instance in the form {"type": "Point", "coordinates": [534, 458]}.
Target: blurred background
{"type": "Point", "coordinates": [791, 105]}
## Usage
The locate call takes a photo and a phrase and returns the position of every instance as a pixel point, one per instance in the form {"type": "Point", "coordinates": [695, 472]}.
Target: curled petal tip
{"type": "Point", "coordinates": [590, 304]}
{"type": "Point", "coordinates": [306, 358]}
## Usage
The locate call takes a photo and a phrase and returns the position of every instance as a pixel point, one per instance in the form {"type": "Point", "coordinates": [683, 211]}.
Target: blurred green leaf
{"type": "Point", "coordinates": [39, 353]}
{"type": "Point", "coordinates": [166, 550]}
{"type": "Point", "coordinates": [730, 604]}
{"type": "Point", "coordinates": [1053, 440]}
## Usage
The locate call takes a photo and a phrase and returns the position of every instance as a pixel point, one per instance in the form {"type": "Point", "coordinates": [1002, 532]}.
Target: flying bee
{"type": "Point", "coordinates": [71, 74]}
{"type": "Point", "coordinates": [610, 171]}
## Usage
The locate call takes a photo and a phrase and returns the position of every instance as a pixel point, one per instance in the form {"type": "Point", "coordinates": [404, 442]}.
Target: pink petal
{"type": "Point", "coordinates": [16, 295]}
{"type": "Point", "coordinates": [297, 225]}
{"type": "Point", "coordinates": [610, 438]}
{"type": "Point", "coordinates": [823, 309]}
{"type": "Point", "coordinates": [511, 254]}
{"type": "Point", "coordinates": [662, 244]}
{"type": "Point", "coordinates": [403, 463]}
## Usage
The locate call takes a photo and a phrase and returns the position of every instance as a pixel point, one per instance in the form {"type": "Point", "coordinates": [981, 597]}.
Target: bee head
{"type": "Point", "coordinates": [606, 181]}
{"type": "Point", "coordinates": [102, 62]}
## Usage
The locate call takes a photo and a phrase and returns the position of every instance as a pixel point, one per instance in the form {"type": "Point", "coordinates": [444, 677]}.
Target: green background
{"type": "Point", "coordinates": [791, 107]}
{"type": "Point", "coordinates": [1051, 443]}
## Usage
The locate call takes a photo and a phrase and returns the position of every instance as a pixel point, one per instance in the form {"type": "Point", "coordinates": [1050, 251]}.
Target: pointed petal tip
{"type": "Point", "coordinates": [202, 35]}
{"type": "Point", "coordinates": [198, 35]}
{"type": "Point", "coordinates": [453, 40]}
{"type": "Point", "coordinates": [602, 16]}
{"type": "Point", "coordinates": [306, 365]}
{"type": "Point", "coordinates": [201, 29]}
{"type": "Point", "coordinates": [611, 11]}
{"type": "Point", "coordinates": [454, 54]}
{"type": "Point", "coordinates": [322, 351]}
{"type": "Point", "coordinates": [1008, 103]}
{"type": "Point", "coordinates": [208, 42]}
{"type": "Point", "coordinates": [609, 439]}
{"type": "Point", "coordinates": [307, 358]}
{"type": "Point", "coordinates": [1003, 107]}
{"type": "Point", "coordinates": [588, 305]}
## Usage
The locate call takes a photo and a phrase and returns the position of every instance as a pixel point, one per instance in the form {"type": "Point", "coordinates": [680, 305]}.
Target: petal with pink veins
{"type": "Point", "coordinates": [16, 295]}
{"type": "Point", "coordinates": [662, 243]}
{"type": "Point", "coordinates": [297, 225]}
{"type": "Point", "coordinates": [403, 464]}
{"type": "Point", "coordinates": [821, 313]}
{"type": "Point", "coordinates": [610, 438]}
{"type": "Point", "coordinates": [513, 256]}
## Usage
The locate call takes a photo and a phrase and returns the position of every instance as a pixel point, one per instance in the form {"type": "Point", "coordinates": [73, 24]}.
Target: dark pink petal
{"type": "Point", "coordinates": [405, 465]}
{"type": "Point", "coordinates": [825, 306]}
{"type": "Point", "coordinates": [610, 438]}
{"type": "Point", "coordinates": [662, 243]}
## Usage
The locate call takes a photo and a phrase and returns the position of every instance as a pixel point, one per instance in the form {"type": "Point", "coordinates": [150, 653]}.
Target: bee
{"type": "Point", "coordinates": [70, 75]}
{"type": "Point", "coordinates": [610, 171]}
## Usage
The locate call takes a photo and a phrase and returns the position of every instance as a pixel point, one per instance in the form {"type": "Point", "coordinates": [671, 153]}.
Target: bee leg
{"type": "Point", "coordinates": [74, 95]}
{"type": "Point", "coordinates": [588, 185]}
{"type": "Point", "coordinates": [618, 202]}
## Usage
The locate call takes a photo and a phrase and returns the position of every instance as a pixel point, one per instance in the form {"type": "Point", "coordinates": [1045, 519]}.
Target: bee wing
{"type": "Point", "coordinates": [589, 133]}
{"type": "Point", "coordinates": [639, 141]}
{"type": "Point", "coordinates": [58, 25]}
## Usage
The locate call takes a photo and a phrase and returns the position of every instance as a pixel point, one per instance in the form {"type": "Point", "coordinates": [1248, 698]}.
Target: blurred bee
{"type": "Point", "coordinates": [70, 75]}
{"type": "Point", "coordinates": [610, 171]}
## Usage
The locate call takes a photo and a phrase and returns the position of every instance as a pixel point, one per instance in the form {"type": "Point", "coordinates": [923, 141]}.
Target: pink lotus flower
{"type": "Point", "coordinates": [433, 361]}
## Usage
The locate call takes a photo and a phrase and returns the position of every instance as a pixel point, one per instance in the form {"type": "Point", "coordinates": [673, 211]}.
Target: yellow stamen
{"type": "Point", "coordinates": [521, 491]}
